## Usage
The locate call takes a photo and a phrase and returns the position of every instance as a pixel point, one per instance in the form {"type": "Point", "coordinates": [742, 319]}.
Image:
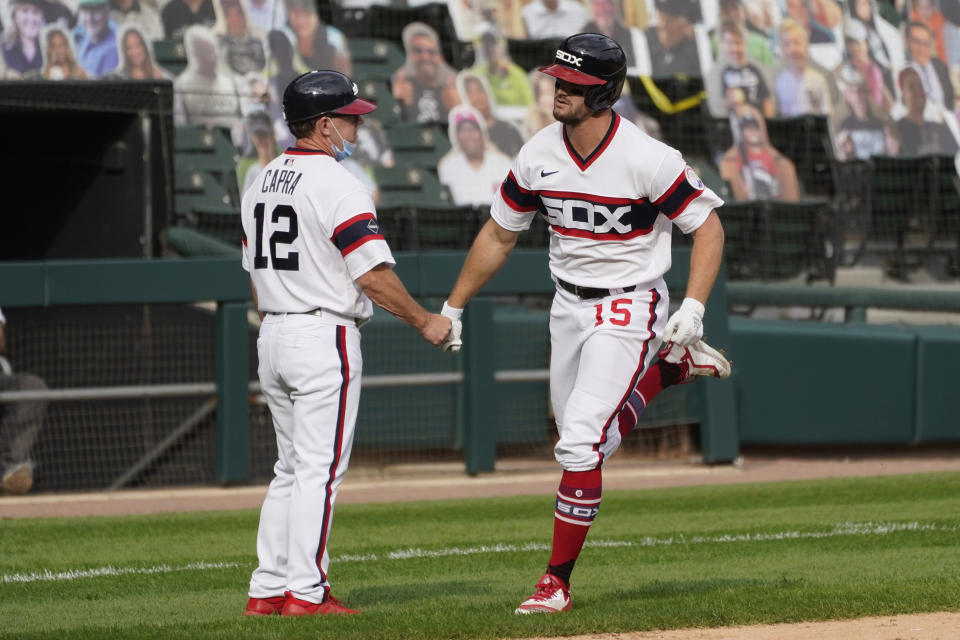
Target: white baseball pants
{"type": "Point", "coordinates": [599, 349]}
{"type": "Point", "coordinates": [310, 375]}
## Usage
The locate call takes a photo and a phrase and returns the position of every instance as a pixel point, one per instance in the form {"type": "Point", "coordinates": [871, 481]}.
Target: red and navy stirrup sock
{"type": "Point", "coordinates": [658, 377]}
{"type": "Point", "coordinates": [578, 500]}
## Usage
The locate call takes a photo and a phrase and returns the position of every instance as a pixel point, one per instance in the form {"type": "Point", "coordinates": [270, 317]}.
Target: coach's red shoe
{"type": "Point", "coordinates": [329, 607]}
{"type": "Point", "coordinates": [264, 606]}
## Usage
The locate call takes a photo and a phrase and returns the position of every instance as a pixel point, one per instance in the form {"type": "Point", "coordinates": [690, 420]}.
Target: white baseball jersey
{"type": "Point", "coordinates": [309, 230]}
{"type": "Point", "coordinates": [609, 213]}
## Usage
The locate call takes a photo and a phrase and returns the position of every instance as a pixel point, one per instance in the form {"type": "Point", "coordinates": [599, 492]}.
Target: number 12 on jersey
{"type": "Point", "coordinates": [621, 315]}
{"type": "Point", "coordinates": [291, 261]}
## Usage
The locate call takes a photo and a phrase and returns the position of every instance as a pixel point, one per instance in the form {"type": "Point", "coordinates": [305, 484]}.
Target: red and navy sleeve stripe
{"type": "Point", "coordinates": [518, 198]}
{"type": "Point", "coordinates": [355, 232]}
{"type": "Point", "coordinates": [678, 196]}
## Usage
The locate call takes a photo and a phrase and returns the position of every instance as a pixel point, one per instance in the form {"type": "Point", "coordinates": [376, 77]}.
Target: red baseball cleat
{"type": "Point", "coordinates": [264, 606]}
{"type": "Point", "coordinates": [699, 359]}
{"type": "Point", "coordinates": [551, 596]}
{"type": "Point", "coordinates": [329, 607]}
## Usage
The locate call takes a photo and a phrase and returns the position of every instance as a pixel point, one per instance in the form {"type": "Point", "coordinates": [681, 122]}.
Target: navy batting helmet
{"type": "Point", "coordinates": [593, 60]}
{"type": "Point", "coordinates": [318, 93]}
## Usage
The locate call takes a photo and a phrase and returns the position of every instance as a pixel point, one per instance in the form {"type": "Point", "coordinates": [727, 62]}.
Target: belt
{"type": "Point", "coordinates": [586, 293]}
{"type": "Point", "coordinates": [325, 313]}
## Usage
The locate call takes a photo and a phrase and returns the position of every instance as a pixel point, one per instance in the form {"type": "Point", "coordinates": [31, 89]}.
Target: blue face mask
{"type": "Point", "coordinates": [344, 152]}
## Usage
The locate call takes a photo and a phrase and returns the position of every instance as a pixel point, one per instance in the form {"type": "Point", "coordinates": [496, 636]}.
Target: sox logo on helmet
{"type": "Point", "coordinates": [595, 61]}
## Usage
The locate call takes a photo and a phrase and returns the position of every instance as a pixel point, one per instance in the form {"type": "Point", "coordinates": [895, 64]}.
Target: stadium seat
{"type": "Point", "coordinates": [852, 203]}
{"type": "Point", "coordinates": [742, 248]}
{"type": "Point", "coordinates": [795, 240]}
{"type": "Point", "coordinates": [947, 212]}
{"type": "Point", "coordinates": [396, 226]}
{"type": "Point", "coordinates": [389, 110]}
{"type": "Point", "coordinates": [806, 141]}
{"type": "Point", "coordinates": [444, 227]}
{"type": "Point", "coordinates": [171, 55]}
{"type": "Point", "coordinates": [374, 59]}
{"type": "Point", "coordinates": [686, 129]}
{"type": "Point", "coordinates": [209, 150]}
{"type": "Point", "coordinates": [904, 194]}
{"type": "Point", "coordinates": [418, 144]}
{"type": "Point", "coordinates": [409, 185]}
{"type": "Point", "coordinates": [354, 22]}
{"type": "Point", "coordinates": [194, 189]}
{"type": "Point", "coordinates": [222, 223]}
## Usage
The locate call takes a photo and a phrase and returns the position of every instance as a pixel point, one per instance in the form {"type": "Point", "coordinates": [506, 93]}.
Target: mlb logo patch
{"type": "Point", "coordinates": [288, 161]}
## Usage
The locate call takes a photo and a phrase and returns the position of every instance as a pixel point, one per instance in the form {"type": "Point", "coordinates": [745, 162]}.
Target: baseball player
{"type": "Point", "coordinates": [610, 194]}
{"type": "Point", "coordinates": [316, 259]}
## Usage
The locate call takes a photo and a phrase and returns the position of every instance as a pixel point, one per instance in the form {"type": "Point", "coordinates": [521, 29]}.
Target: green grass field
{"type": "Point", "coordinates": [701, 556]}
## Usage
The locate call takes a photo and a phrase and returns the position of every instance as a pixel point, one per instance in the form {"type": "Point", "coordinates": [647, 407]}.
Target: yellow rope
{"type": "Point", "coordinates": [663, 103]}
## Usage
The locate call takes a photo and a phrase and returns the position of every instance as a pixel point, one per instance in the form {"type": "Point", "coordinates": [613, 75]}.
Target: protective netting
{"type": "Point", "coordinates": [122, 427]}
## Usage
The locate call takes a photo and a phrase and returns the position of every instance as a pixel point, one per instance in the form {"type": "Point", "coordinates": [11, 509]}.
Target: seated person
{"type": "Point", "coordinates": [96, 38]}
{"type": "Point", "coordinates": [319, 45]}
{"type": "Point", "coordinates": [61, 60]}
{"type": "Point", "coordinates": [136, 59]}
{"type": "Point", "coordinates": [866, 130]}
{"type": "Point", "coordinates": [262, 148]}
{"type": "Point", "coordinates": [758, 45]}
{"type": "Point", "coordinates": [540, 114]}
{"type": "Point", "coordinates": [553, 18]}
{"type": "Point", "coordinates": [141, 14]}
{"type": "Point", "coordinates": [472, 170]}
{"type": "Point", "coordinates": [672, 43]}
{"type": "Point", "coordinates": [425, 84]}
{"type": "Point", "coordinates": [508, 82]}
{"type": "Point", "coordinates": [177, 15]}
{"type": "Point", "coordinates": [207, 92]}
{"type": "Point", "coordinates": [475, 92]}
{"type": "Point", "coordinates": [800, 87]}
{"type": "Point", "coordinates": [242, 50]}
{"type": "Point", "coordinates": [608, 20]}
{"type": "Point", "coordinates": [754, 169]}
{"type": "Point", "coordinates": [21, 38]}
{"type": "Point", "coordinates": [735, 78]}
{"type": "Point", "coordinates": [919, 136]}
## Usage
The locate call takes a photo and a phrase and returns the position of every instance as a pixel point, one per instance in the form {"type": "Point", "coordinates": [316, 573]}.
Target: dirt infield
{"type": "Point", "coordinates": [926, 626]}
{"type": "Point", "coordinates": [448, 481]}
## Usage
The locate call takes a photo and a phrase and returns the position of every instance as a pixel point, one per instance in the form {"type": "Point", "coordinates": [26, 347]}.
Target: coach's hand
{"type": "Point", "coordinates": [453, 341]}
{"type": "Point", "coordinates": [436, 330]}
{"type": "Point", "coordinates": [685, 326]}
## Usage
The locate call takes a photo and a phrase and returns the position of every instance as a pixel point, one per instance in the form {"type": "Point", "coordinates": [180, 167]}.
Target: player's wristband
{"type": "Point", "coordinates": [451, 312]}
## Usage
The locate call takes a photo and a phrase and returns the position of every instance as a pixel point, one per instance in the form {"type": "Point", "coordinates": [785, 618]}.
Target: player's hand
{"type": "Point", "coordinates": [3, 340]}
{"type": "Point", "coordinates": [436, 329]}
{"type": "Point", "coordinates": [453, 342]}
{"type": "Point", "coordinates": [685, 326]}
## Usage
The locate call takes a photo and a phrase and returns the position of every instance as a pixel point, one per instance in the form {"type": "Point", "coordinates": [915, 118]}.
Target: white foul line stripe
{"type": "Point", "coordinates": [842, 529]}
{"type": "Point", "coordinates": [111, 571]}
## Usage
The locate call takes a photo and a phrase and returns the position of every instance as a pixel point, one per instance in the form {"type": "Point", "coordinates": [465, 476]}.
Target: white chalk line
{"type": "Point", "coordinates": [841, 529]}
{"type": "Point", "coordinates": [110, 571]}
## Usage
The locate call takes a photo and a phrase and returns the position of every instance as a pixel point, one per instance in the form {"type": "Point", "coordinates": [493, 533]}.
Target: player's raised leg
{"type": "Point", "coordinates": [677, 365]}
